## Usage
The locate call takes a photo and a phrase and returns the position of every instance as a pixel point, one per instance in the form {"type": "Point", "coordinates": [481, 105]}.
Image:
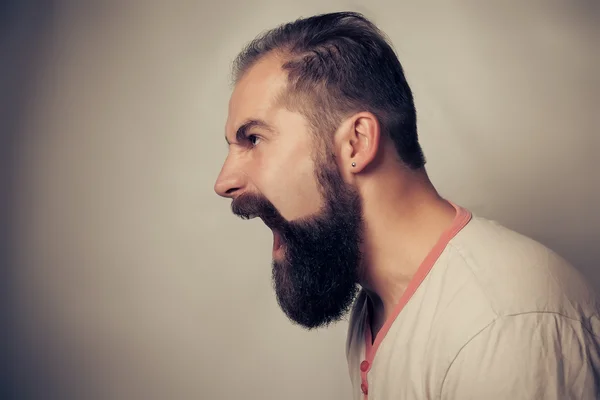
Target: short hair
{"type": "Point", "coordinates": [339, 64]}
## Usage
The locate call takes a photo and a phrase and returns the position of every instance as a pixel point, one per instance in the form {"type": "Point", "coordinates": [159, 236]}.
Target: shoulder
{"type": "Point", "coordinates": [529, 355]}
{"type": "Point", "coordinates": [518, 274]}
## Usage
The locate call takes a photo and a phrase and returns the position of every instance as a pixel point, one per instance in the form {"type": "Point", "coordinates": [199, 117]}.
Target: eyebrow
{"type": "Point", "coordinates": [242, 131]}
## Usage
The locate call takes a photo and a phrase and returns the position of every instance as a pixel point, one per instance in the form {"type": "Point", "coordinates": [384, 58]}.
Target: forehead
{"type": "Point", "coordinates": [254, 95]}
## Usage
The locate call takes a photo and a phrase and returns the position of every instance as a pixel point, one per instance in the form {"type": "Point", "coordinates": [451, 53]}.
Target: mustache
{"type": "Point", "coordinates": [248, 206]}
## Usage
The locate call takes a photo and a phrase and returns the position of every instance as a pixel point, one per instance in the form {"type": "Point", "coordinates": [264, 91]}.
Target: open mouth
{"type": "Point", "coordinates": [277, 242]}
{"type": "Point", "coordinates": [277, 239]}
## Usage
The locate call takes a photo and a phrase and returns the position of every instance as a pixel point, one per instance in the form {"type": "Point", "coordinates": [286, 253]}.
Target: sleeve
{"type": "Point", "coordinates": [527, 356]}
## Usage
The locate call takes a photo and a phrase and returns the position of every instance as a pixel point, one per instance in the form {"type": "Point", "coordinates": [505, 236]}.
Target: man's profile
{"type": "Point", "coordinates": [443, 304]}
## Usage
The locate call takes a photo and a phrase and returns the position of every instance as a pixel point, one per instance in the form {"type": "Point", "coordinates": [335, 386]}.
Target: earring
{"type": "Point", "coordinates": [354, 164]}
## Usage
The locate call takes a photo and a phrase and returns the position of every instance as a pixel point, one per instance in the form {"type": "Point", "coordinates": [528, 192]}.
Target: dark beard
{"type": "Point", "coordinates": [317, 279]}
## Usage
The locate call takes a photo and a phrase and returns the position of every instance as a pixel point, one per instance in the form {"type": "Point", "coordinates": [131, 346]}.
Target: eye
{"type": "Point", "coordinates": [253, 139]}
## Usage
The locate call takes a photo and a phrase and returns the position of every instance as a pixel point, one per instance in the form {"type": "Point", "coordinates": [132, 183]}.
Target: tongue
{"type": "Point", "coordinates": [276, 240]}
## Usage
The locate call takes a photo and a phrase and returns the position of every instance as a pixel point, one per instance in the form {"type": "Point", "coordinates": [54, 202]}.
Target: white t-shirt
{"type": "Point", "coordinates": [489, 315]}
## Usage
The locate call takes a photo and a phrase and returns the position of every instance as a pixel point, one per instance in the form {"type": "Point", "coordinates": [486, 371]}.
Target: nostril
{"type": "Point", "coordinates": [231, 191]}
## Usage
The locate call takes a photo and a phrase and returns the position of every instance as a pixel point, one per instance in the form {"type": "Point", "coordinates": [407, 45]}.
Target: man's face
{"type": "Point", "coordinates": [273, 172]}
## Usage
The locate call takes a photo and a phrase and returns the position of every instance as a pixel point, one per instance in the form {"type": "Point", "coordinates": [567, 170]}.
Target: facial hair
{"type": "Point", "coordinates": [317, 279]}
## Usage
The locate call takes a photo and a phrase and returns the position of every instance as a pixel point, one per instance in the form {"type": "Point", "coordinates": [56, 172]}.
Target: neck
{"type": "Point", "coordinates": [401, 228]}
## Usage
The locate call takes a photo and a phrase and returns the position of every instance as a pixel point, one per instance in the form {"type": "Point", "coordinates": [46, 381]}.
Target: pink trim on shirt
{"type": "Point", "coordinates": [461, 219]}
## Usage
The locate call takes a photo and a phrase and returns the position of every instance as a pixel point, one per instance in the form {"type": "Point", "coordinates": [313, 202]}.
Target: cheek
{"type": "Point", "coordinates": [293, 187]}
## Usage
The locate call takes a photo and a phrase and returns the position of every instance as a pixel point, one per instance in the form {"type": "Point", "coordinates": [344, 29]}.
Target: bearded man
{"type": "Point", "coordinates": [443, 304]}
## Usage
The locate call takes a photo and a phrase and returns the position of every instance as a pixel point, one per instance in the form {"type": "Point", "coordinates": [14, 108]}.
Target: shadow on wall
{"type": "Point", "coordinates": [25, 33]}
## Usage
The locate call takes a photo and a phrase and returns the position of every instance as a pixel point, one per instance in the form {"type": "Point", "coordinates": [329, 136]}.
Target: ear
{"type": "Point", "coordinates": [359, 141]}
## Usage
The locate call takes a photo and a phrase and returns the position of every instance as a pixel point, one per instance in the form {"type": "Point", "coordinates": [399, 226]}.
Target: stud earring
{"type": "Point", "coordinates": [354, 164]}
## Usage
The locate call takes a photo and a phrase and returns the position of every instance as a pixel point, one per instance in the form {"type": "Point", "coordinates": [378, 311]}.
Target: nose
{"type": "Point", "coordinates": [230, 181]}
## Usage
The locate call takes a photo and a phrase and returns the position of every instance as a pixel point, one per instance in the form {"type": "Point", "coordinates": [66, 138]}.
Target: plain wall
{"type": "Point", "coordinates": [130, 278]}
